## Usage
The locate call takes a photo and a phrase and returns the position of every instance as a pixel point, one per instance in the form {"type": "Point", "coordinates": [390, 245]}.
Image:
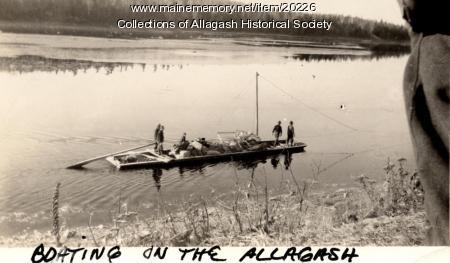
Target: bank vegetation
{"type": "Point", "coordinates": [388, 213]}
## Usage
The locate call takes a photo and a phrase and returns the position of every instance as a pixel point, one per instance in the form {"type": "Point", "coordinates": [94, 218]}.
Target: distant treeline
{"type": "Point", "coordinates": [104, 13]}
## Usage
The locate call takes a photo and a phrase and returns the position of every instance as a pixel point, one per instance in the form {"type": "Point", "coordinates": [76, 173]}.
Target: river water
{"type": "Point", "coordinates": [96, 96]}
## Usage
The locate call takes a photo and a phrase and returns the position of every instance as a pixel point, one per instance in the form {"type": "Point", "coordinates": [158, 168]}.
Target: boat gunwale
{"type": "Point", "coordinates": [299, 147]}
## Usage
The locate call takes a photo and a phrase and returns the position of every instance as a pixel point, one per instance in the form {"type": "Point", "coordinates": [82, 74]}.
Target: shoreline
{"type": "Point", "coordinates": [112, 32]}
{"type": "Point", "coordinates": [386, 214]}
{"type": "Point", "coordinates": [315, 228]}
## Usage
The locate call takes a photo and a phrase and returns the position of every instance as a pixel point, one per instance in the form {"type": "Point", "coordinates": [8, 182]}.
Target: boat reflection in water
{"type": "Point", "coordinates": [287, 160]}
{"type": "Point", "coordinates": [157, 174]}
{"type": "Point", "coordinates": [248, 164]}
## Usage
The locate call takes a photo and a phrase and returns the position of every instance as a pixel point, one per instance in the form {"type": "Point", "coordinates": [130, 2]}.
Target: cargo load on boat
{"type": "Point", "coordinates": [235, 146]}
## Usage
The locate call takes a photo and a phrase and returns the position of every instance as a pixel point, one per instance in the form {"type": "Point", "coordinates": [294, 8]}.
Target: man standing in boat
{"type": "Point", "coordinates": [183, 144]}
{"type": "Point", "coordinates": [277, 132]}
{"type": "Point", "coordinates": [160, 139]}
{"type": "Point", "coordinates": [155, 136]}
{"type": "Point", "coordinates": [290, 134]}
{"type": "Point", "coordinates": [183, 138]}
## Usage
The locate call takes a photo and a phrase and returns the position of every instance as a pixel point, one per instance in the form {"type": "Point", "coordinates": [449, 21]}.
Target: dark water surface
{"type": "Point", "coordinates": [61, 103]}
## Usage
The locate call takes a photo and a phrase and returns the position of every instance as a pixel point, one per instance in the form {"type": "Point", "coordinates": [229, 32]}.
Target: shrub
{"type": "Point", "coordinates": [401, 192]}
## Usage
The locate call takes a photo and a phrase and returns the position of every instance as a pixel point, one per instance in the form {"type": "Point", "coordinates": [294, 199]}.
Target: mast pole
{"type": "Point", "coordinates": [257, 106]}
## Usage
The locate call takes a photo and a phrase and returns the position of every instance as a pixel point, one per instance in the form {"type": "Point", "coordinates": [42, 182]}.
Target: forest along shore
{"type": "Point", "coordinates": [389, 213]}
{"type": "Point", "coordinates": [93, 18]}
{"type": "Point", "coordinates": [376, 46]}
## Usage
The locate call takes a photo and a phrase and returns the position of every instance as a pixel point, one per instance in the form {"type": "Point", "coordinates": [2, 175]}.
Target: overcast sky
{"type": "Point", "coordinates": [387, 10]}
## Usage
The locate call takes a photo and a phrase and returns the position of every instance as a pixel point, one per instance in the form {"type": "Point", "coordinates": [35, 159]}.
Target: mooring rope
{"type": "Point", "coordinates": [307, 106]}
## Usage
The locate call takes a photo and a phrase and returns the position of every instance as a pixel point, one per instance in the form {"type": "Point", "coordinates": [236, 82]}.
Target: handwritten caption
{"type": "Point", "coordinates": [196, 254]}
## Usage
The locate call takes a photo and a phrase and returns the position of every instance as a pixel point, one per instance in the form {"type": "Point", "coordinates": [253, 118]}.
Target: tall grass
{"type": "Point", "coordinates": [400, 194]}
{"type": "Point", "coordinates": [55, 216]}
{"type": "Point", "coordinates": [386, 213]}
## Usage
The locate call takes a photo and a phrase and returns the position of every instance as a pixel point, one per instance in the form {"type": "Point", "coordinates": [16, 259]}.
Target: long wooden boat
{"type": "Point", "coordinates": [148, 158]}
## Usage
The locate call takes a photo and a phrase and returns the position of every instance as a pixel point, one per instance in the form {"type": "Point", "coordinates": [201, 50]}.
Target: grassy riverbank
{"type": "Point", "coordinates": [373, 214]}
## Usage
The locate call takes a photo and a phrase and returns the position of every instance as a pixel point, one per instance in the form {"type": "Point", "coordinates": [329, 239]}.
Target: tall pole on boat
{"type": "Point", "coordinates": [257, 106]}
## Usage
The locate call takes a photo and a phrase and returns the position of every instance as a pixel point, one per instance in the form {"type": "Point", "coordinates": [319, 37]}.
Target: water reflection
{"type": "Point", "coordinates": [32, 63]}
{"type": "Point", "coordinates": [374, 55]}
{"type": "Point", "coordinates": [248, 164]}
{"type": "Point", "coordinates": [157, 174]}
{"type": "Point", "coordinates": [376, 52]}
{"type": "Point", "coordinates": [181, 171]}
{"type": "Point", "coordinates": [287, 160]}
{"type": "Point", "coordinates": [275, 161]}
{"type": "Point", "coordinates": [29, 63]}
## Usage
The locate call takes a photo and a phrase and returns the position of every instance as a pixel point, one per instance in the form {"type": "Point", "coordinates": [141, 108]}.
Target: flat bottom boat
{"type": "Point", "coordinates": [148, 158]}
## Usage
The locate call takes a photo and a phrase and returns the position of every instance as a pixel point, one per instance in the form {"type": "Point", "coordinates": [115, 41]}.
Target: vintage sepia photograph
{"type": "Point", "coordinates": [223, 122]}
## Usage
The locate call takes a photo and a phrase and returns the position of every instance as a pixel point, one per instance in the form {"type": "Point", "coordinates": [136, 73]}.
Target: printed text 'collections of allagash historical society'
{"type": "Point", "coordinates": [222, 23]}
{"type": "Point", "coordinates": [230, 24]}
